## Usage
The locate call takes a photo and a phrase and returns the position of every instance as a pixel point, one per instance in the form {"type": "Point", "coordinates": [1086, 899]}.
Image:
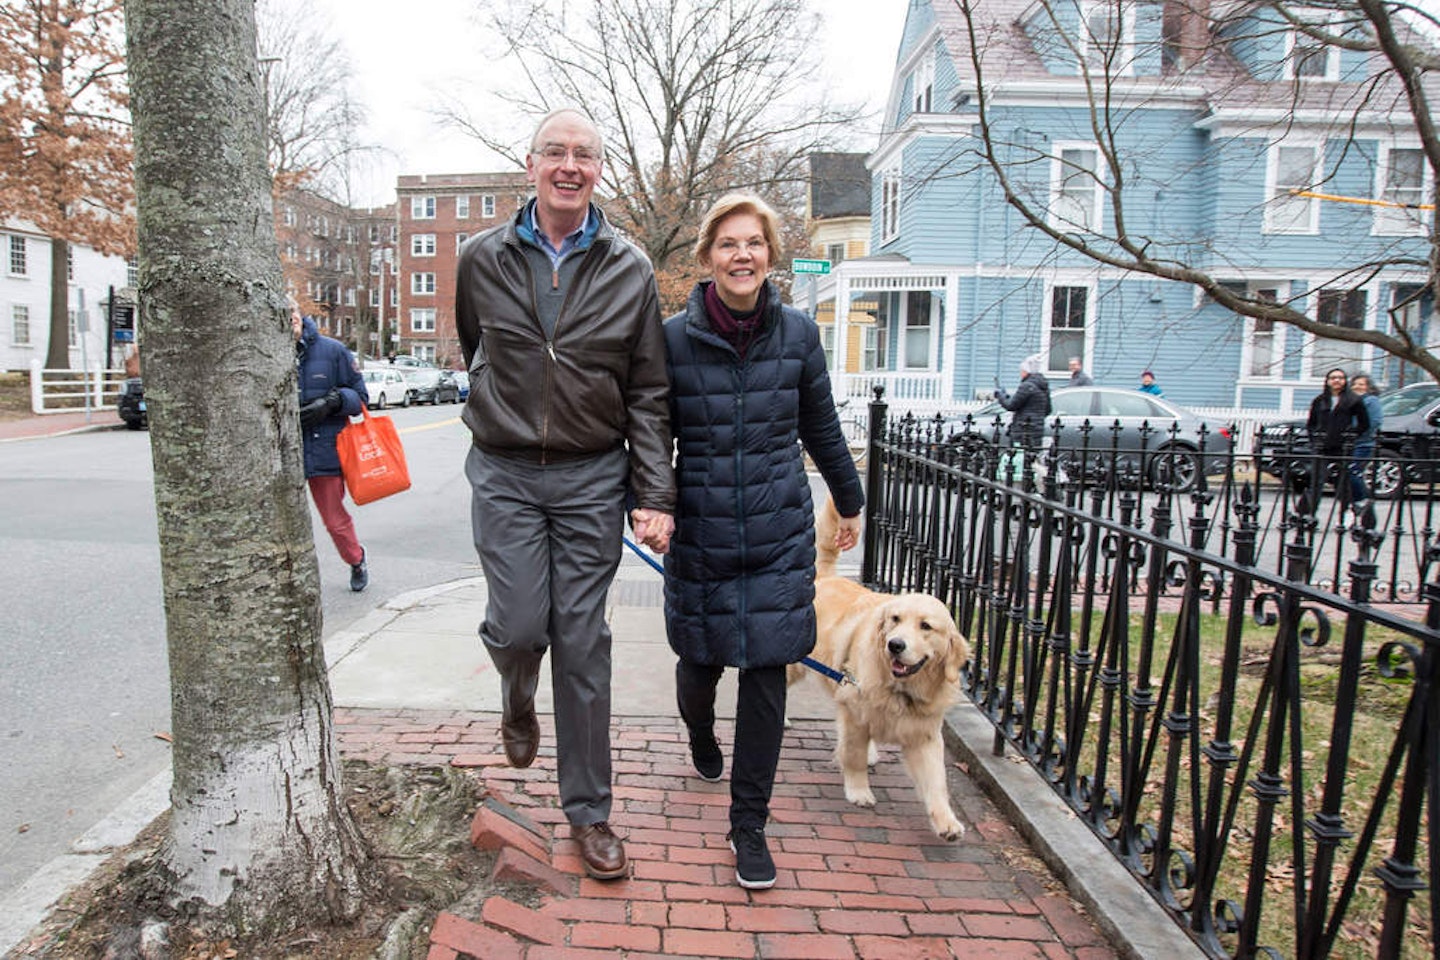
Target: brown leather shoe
{"type": "Point", "coordinates": [602, 851]}
{"type": "Point", "coordinates": [521, 737]}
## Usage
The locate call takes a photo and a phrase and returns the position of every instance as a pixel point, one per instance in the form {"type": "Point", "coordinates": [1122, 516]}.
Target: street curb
{"type": "Point", "coordinates": [87, 428]}
{"type": "Point", "coordinates": [28, 905]}
{"type": "Point", "coordinates": [1135, 924]}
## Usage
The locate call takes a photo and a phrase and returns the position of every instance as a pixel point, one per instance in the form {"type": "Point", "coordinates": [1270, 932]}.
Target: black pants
{"type": "Point", "coordinates": [759, 728]}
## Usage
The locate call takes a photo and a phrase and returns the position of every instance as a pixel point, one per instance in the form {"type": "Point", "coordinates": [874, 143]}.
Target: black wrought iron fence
{"type": "Point", "coordinates": [1193, 662]}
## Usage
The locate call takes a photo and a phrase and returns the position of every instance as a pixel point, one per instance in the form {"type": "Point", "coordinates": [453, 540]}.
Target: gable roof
{"type": "Point", "coordinates": [839, 186]}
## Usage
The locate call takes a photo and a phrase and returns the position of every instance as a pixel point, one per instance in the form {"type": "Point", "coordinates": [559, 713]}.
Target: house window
{"type": "Point", "coordinates": [1069, 321]}
{"type": "Point", "coordinates": [1402, 180]}
{"type": "Point", "coordinates": [890, 204]}
{"type": "Point", "coordinates": [827, 343]}
{"type": "Point", "coordinates": [423, 351]}
{"type": "Point", "coordinates": [350, 297]}
{"type": "Point", "coordinates": [20, 325]}
{"type": "Point", "coordinates": [460, 239]}
{"type": "Point", "coordinates": [18, 265]}
{"type": "Point", "coordinates": [394, 297]}
{"type": "Point", "coordinates": [374, 297]}
{"type": "Point", "coordinates": [289, 216]}
{"type": "Point", "coordinates": [919, 305]}
{"type": "Point", "coordinates": [875, 345]}
{"type": "Point", "coordinates": [462, 208]}
{"type": "Point", "coordinates": [1107, 37]}
{"type": "Point", "coordinates": [487, 205]}
{"type": "Point", "coordinates": [69, 263]}
{"type": "Point", "coordinates": [922, 83]}
{"type": "Point", "coordinates": [835, 252]}
{"type": "Point", "coordinates": [392, 232]}
{"type": "Point", "coordinates": [1308, 57]}
{"type": "Point", "coordinates": [422, 245]}
{"type": "Point", "coordinates": [422, 320]}
{"type": "Point", "coordinates": [374, 233]}
{"type": "Point", "coordinates": [1292, 168]}
{"type": "Point", "coordinates": [1344, 309]}
{"type": "Point", "coordinates": [422, 283]}
{"type": "Point", "coordinates": [72, 324]}
{"type": "Point", "coordinates": [132, 271]}
{"type": "Point", "coordinates": [1264, 340]}
{"type": "Point", "coordinates": [1075, 194]}
{"type": "Point", "coordinates": [422, 208]}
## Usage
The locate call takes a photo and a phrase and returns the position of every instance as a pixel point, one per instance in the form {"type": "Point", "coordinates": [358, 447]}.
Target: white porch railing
{"type": "Point", "coordinates": [73, 391]}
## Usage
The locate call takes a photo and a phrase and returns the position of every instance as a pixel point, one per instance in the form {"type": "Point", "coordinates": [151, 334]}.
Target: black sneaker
{"type": "Point", "coordinates": [359, 574]}
{"type": "Point", "coordinates": [754, 870]}
{"type": "Point", "coordinates": [705, 754]}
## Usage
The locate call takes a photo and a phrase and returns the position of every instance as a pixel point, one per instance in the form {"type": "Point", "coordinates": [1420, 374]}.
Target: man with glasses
{"type": "Point", "coordinates": [559, 321]}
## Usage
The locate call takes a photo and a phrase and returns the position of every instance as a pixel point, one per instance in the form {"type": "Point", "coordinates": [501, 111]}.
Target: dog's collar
{"type": "Point", "coordinates": [911, 671]}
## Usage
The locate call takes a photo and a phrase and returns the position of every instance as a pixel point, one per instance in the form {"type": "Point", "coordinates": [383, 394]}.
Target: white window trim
{"type": "Point", "coordinates": [891, 197]}
{"type": "Point", "coordinates": [425, 313]}
{"type": "Point", "coordinates": [1058, 168]}
{"type": "Point", "coordinates": [417, 285]}
{"type": "Point", "coordinates": [1123, 63]}
{"type": "Point", "coordinates": [1272, 167]}
{"type": "Point", "coordinates": [418, 207]}
{"type": "Point", "coordinates": [1091, 288]}
{"type": "Point", "coordinates": [17, 242]}
{"type": "Point", "coordinates": [422, 245]}
{"type": "Point", "coordinates": [1312, 310]}
{"type": "Point", "coordinates": [487, 206]}
{"type": "Point", "coordinates": [1247, 344]}
{"type": "Point", "coordinates": [922, 84]}
{"type": "Point", "coordinates": [462, 207]}
{"type": "Point", "coordinates": [1416, 226]}
{"type": "Point", "coordinates": [1321, 19]}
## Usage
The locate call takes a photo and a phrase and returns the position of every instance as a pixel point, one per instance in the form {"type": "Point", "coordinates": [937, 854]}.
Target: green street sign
{"type": "Point", "coordinates": [810, 266]}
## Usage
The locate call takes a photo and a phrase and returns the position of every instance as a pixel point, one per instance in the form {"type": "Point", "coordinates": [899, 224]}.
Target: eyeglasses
{"type": "Point", "coordinates": [582, 156]}
{"type": "Point", "coordinates": [733, 247]}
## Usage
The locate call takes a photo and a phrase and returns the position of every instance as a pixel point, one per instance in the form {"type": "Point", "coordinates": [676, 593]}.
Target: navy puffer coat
{"type": "Point", "coordinates": [740, 574]}
{"type": "Point", "coordinates": [324, 362]}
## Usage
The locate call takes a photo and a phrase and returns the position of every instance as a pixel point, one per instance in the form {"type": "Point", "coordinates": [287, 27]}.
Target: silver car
{"type": "Point", "coordinates": [1131, 432]}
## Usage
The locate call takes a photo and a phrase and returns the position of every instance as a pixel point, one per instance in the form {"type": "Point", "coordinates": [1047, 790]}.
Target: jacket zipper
{"type": "Point", "coordinates": [742, 605]}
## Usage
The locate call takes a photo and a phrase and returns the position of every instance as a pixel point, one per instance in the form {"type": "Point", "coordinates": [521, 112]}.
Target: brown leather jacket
{"type": "Point", "coordinates": [598, 383]}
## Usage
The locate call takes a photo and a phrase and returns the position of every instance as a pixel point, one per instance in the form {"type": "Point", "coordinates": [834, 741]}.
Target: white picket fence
{"type": "Point", "coordinates": [73, 391]}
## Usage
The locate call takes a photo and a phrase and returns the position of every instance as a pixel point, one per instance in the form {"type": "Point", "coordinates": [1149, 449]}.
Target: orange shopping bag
{"type": "Point", "coordinates": [371, 458]}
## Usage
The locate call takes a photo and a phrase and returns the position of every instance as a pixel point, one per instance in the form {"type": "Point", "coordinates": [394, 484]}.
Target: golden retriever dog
{"type": "Point", "coordinates": [905, 653]}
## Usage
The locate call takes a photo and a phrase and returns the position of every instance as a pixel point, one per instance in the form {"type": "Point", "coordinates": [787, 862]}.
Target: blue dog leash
{"type": "Point", "coordinates": [812, 663]}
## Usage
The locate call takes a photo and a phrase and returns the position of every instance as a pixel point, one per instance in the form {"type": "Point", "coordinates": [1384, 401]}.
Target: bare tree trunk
{"type": "Point", "coordinates": [259, 838]}
{"type": "Point", "coordinates": [57, 354]}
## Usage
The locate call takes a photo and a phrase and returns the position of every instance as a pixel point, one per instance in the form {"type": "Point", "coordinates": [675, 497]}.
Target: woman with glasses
{"type": "Point", "coordinates": [1336, 418]}
{"type": "Point", "coordinates": [748, 387]}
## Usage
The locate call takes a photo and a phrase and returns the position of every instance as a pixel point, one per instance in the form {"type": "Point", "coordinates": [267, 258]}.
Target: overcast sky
{"type": "Point", "coordinates": [402, 61]}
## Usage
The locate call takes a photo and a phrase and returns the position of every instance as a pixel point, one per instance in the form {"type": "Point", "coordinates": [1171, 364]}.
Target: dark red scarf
{"type": "Point", "coordinates": [737, 328]}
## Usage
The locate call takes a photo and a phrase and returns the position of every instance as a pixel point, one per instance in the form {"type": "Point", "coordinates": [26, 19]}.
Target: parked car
{"type": "Point", "coordinates": [409, 362]}
{"type": "Point", "coordinates": [424, 383]}
{"type": "Point", "coordinates": [1407, 445]}
{"type": "Point", "coordinates": [131, 404]}
{"type": "Point", "coordinates": [386, 386]}
{"type": "Point", "coordinates": [1117, 418]}
{"type": "Point", "coordinates": [454, 387]}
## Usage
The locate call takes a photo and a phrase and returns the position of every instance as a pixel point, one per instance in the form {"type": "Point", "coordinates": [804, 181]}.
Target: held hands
{"type": "Point", "coordinates": [848, 533]}
{"type": "Point", "coordinates": [653, 528]}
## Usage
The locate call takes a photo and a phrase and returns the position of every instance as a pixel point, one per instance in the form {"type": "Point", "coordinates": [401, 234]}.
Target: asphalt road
{"type": "Point", "coordinates": [84, 698]}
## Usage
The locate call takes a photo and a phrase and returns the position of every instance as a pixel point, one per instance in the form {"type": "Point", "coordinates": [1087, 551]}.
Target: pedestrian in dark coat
{"type": "Point", "coordinates": [1337, 417]}
{"type": "Point", "coordinates": [1030, 403]}
{"type": "Point", "coordinates": [748, 387]}
{"type": "Point", "coordinates": [332, 390]}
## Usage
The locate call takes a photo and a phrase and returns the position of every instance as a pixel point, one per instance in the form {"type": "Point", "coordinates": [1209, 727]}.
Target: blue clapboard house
{"type": "Point", "coordinates": [1216, 113]}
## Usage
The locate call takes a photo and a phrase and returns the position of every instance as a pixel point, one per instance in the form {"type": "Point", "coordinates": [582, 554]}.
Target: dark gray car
{"type": "Point", "coordinates": [1128, 432]}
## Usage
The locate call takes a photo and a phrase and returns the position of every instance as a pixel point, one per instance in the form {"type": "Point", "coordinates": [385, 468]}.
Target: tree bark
{"type": "Point", "coordinates": [57, 352]}
{"type": "Point", "coordinates": [260, 839]}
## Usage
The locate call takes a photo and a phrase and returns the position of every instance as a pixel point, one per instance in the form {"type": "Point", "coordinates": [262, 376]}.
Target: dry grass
{"type": "Point", "coordinates": [14, 395]}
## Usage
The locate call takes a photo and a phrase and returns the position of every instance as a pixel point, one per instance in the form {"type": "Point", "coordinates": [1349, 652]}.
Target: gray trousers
{"type": "Point", "coordinates": [549, 541]}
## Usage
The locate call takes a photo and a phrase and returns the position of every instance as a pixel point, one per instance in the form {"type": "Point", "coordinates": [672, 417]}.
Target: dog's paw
{"type": "Point", "coordinates": [861, 797]}
{"type": "Point", "coordinates": [948, 827]}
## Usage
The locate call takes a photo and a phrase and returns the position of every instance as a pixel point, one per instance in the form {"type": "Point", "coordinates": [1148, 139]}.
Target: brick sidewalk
{"type": "Point", "coordinates": [852, 883]}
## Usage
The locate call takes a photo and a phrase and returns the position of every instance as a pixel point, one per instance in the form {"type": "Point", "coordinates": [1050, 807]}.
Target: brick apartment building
{"type": "Point", "coordinates": [435, 215]}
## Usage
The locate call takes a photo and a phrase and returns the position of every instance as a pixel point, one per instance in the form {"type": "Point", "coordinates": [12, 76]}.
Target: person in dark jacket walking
{"type": "Point", "coordinates": [1336, 418]}
{"type": "Point", "coordinates": [748, 387]}
{"type": "Point", "coordinates": [1030, 403]}
{"type": "Point", "coordinates": [558, 318]}
{"type": "Point", "coordinates": [332, 390]}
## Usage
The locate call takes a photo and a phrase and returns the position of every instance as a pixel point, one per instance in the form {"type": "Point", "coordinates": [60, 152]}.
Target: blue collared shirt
{"type": "Point", "coordinates": [578, 240]}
